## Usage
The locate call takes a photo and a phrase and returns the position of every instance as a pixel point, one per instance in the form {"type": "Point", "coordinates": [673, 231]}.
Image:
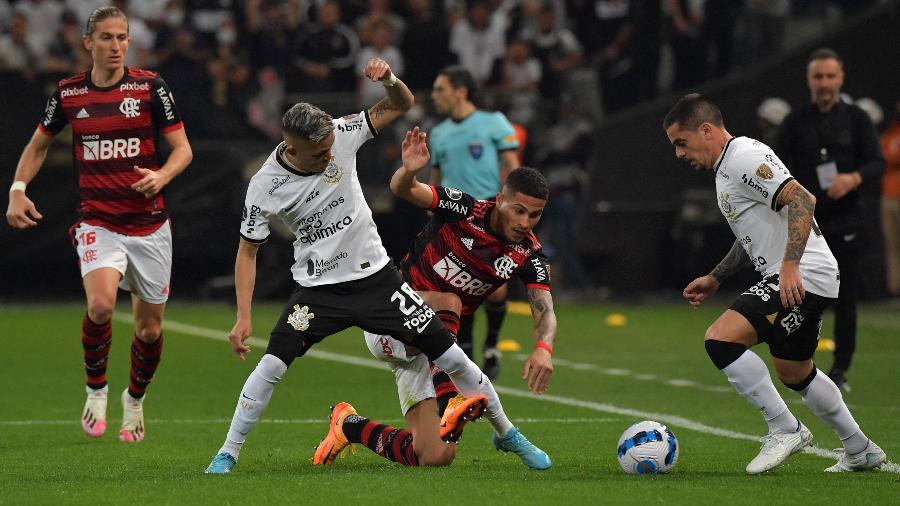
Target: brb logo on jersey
{"type": "Point", "coordinates": [110, 149]}
{"type": "Point", "coordinates": [130, 107]}
{"type": "Point", "coordinates": [452, 270]}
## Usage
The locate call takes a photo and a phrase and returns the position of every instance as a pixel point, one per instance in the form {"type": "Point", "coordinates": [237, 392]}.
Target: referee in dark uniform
{"type": "Point", "coordinates": [831, 148]}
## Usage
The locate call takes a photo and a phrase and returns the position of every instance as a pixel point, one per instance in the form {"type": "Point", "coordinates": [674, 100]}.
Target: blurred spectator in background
{"type": "Point", "coordinates": [769, 115]}
{"type": "Point", "coordinates": [380, 45]}
{"type": "Point", "coordinates": [326, 55]}
{"type": "Point", "coordinates": [425, 46]}
{"type": "Point", "coordinates": [265, 108]}
{"type": "Point", "coordinates": [831, 149]}
{"type": "Point", "coordinates": [563, 159]}
{"type": "Point", "coordinates": [616, 63]}
{"type": "Point", "coordinates": [230, 85]}
{"type": "Point", "coordinates": [721, 19]}
{"type": "Point", "coordinates": [890, 201]}
{"type": "Point", "coordinates": [686, 40]}
{"type": "Point", "coordinates": [272, 29]}
{"type": "Point", "coordinates": [478, 42]}
{"type": "Point", "coordinates": [519, 80]}
{"type": "Point", "coordinates": [764, 28]}
{"type": "Point", "coordinates": [379, 13]}
{"type": "Point", "coordinates": [43, 19]}
{"type": "Point", "coordinates": [20, 50]}
{"type": "Point", "coordinates": [558, 51]}
{"type": "Point", "coordinates": [66, 54]}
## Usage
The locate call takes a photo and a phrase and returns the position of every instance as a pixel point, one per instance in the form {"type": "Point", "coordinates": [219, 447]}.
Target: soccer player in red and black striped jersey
{"type": "Point", "coordinates": [123, 238]}
{"type": "Point", "coordinates": [469, 249]}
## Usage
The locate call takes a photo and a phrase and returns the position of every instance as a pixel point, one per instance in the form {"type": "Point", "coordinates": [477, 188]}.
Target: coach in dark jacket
{"type": "Point", "coordinates": [831, 148]}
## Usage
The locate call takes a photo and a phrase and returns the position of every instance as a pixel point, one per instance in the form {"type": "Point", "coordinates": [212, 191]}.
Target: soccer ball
{"type": "Point", "coordinates": [647, 448]}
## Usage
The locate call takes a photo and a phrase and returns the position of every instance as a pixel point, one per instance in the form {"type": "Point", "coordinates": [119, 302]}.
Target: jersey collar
{"type": "Point", "coordinates": [286, 165]}
{"type": "Point", "coordinates": [90, 82]}
{"type": "Point", "coordinates": [722, 156]}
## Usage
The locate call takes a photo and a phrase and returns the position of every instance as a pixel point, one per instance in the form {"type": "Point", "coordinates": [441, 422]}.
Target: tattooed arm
{"type": "Point", "coordinates": [398, 100]}
{"type": "Point", "coordinates": [801, 208]}
{"type": "Point", "coordinates": [736, 259]}
{"type": "Point", "coordinates": [539, 366]}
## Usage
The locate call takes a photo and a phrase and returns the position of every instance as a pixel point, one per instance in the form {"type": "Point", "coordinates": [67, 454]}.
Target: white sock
{"type": "Point", "coordinates": [750, 377]}
{"type": "Point", "coordinates": [824, 399]}
{"type": "Point", "coordinates": [252, 402]}
{"type": "Point", "coordinates": [469, 379]}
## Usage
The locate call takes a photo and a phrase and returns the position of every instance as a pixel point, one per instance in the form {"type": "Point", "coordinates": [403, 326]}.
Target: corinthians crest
{"type": "Point", "coordinates": [764, 171]}
{"type": "Point", "coordinates": [333, 172]}
{"type": "Point", "coordinates": [300, 318]}
{"type": "Point", "coordinates": [727, 208]}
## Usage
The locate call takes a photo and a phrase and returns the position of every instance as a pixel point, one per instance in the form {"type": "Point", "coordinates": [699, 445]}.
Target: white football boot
{"type": "Point", "coordinates": [872, 456]}
{"type": "Point", "coordinates": [777, 447]}
{"type": "Point", "coordinates": [132, 430]}
{"type": "Point", "coordinates": [93, 418]}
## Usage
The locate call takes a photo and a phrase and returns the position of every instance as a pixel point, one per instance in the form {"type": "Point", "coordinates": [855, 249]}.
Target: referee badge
{"type": "Point", "coordinates": [300, 318]}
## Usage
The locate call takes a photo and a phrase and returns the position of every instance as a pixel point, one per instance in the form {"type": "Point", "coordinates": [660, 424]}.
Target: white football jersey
{"type": "Point", "coordinates": [336, 238]}
{"type": "Point", "coordinates": [749, 178]}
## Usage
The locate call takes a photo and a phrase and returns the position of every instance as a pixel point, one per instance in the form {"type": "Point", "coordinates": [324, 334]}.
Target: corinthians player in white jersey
{"type": "Point", "coordinates": [343, 274]}
{"type": "Point", "coordinates": [771, 216]}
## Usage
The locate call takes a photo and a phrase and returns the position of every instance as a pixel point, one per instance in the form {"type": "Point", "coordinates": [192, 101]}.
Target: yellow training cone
{"type": "Point", "coordinates": [616, 320]}
{"type": "Point", "coordinates": [825, 345]}
{"type": "Point", "coordinates": [509, 345]}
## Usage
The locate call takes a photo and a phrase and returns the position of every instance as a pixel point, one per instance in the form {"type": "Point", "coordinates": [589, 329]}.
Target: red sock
{"type": "Point", "coordinates": [389, 442]}
{"type": "Point", "coordinates": [444, 388]}
{"type": "Point", "coordinates": [450, 320]}
{"type": "Point", "coordinates": [96, 340]}
{"type": "Point", "coordinates": [144, 361]}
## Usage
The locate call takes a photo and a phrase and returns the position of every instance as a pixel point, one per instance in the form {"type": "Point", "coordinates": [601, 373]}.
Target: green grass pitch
{"type": "Point", "coordinates": [606, 378]}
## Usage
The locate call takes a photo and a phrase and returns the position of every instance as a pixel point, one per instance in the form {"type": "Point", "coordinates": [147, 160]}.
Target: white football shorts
{"type": "Point", "coordinates": [145, 262]}
{"type": "Point", "coordinates": [412, 373]}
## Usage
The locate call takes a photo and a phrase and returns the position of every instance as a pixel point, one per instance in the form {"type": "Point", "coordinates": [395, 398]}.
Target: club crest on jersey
{"type": "Point", "coordinates": [300, 318]}
{"type": "Point", "coordinates": [764, 171]}
{"type": "Point", "coordinates": [504, 266]}
{"type": "Point", "coordinates": [727, 208]}
{"type": "Point", "coordinates": [130, 107]}
{"type": "Point", "coordinates": [333, 173]}
{"type": "Point", "coordinates": [476, 149]}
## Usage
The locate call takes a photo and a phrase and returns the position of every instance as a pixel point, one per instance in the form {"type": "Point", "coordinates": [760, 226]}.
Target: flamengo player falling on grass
{"type": "Point", "coordinates": [343, 274]}
{"type": "Point", "coordinates": [771, 215]}
{"type": "Point", "coordinates": [123, 237]}
{"type": "Point", "coordinates": [470, 248]}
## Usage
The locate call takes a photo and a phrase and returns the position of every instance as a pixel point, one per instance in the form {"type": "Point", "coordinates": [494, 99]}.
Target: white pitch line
{"type": "Point", "coordinates": [673, 420]}
{"type": "Point", "coordinates": [290, 421]}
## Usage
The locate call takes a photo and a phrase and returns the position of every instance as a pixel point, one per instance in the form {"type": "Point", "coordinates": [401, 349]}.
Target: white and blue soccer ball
{"type": "Point", "coordinates": [647, 448]}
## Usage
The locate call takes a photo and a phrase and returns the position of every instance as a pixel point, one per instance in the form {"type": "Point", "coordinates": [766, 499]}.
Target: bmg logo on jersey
{"type": "Point", "coordinates": [453, 273]}
{"type": "Point", "coordinates": [111, 149]}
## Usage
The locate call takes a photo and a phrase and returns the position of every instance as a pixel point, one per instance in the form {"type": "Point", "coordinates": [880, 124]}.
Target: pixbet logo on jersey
{"type": "Point", "coordinates": [451, 270]}
{"type": "Point", "coordinates": [109, 149]}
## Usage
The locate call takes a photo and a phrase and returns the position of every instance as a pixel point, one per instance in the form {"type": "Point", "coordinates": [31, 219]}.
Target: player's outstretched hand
{"type": "Point", "coordinates": [150, 184]}
{"type": "Point", "coordinates": [238, 335]}
{"type": "Point", "coordinates": [790, 284]}
{"type": "Point", "coordinates": [377, 69]}
{"type": "Point", "coordinates": [415, 150]}
{"type": "Point", "coordinates": [21, 212]}
{"type": "Point", "coordinates": [699, 290]}
{"type": "Point", "coordinates": [538, 370]}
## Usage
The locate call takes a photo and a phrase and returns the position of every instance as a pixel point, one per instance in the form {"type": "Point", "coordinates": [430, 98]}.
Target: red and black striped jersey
{"type": "Point", "coordinates": [458, 252]}
{"type": "Point", "coordinates": [113, 129]}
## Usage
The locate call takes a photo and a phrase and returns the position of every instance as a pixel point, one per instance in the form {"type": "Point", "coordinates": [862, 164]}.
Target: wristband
{"type": "Point", "coordinates": [18, 186]}
{"type": "Point", "coordinates": [388, 81]}
{"type": "Point", "coordinates": [544, 345]}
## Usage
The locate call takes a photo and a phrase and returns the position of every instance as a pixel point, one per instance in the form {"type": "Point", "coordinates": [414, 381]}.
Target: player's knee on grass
{"type": "Point", "coordinates": [424, 423]}
{"type": "Point", "coordinates": [100, 309]}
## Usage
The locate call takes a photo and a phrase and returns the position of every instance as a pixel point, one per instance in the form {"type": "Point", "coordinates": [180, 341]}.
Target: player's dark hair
{"type": "Point", "coordinates": [693, 110]}
{"type": "Point", "coordinates": [101, 14]}
{"type": "Point", "coordinates": [460, 76]}
{"type": "Point", "coordinates": [825, 53]}
{"type": "Point", "coordinates": [307, 121]}
{"type": "Point", "coordinates": [529, 182]}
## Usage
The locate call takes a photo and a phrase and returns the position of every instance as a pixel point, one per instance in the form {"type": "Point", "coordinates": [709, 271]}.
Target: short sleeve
{"type": "Point", "coordinates": [503, 134]}
{"type": "Point", "coordinates": [762, 176]}
{"type": "Point", "coordinates": [53, 120]}
{"type": "Point", "coordinates": [165, 114]}
{"type": "Point", "coordinates": [451, 204]}
{"type": "Point", "coordinates": [535, 272]}
{"type": "Point", "coordinates": [256, 214]}
{"type": "Point", "coordinates": [354, 130]}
